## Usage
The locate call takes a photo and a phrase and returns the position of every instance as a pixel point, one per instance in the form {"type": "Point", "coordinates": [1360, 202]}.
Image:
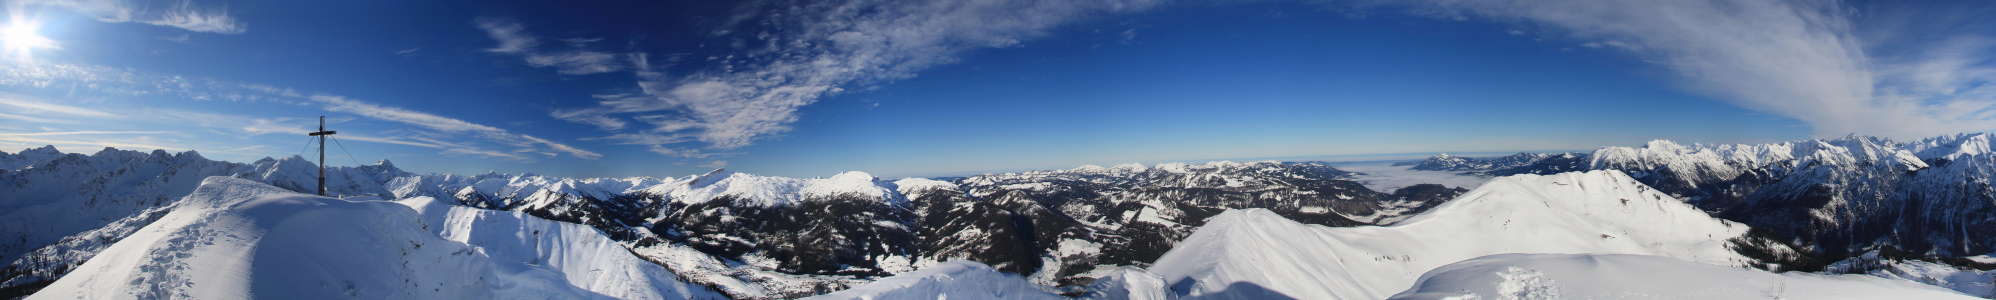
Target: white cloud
{"type": "Point", "coordinates": [183, 14]}
{"type": "Point", "coordinates": [801, 52]}
{"type": "Point", "coordinates": [514, 40]}
{"type": "Point", "coordinates": [1799, 59]}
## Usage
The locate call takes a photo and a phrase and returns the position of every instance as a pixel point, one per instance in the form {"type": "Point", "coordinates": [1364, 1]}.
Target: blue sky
{"type": "Point", "coordinates": [901, 88]}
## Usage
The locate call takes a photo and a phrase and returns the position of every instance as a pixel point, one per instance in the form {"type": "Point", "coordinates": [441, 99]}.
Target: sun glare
{"type": "Point", "coordinates": [21, 37]}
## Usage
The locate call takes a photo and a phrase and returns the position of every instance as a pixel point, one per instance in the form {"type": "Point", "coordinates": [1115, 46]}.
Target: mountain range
{"type": "Point", "coordinates": [1811, 205]}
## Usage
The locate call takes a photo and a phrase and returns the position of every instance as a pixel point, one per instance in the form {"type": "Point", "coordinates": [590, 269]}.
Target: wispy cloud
{"type": "Point", "coordinates": [35, 105]}
{"type": "Point", "coordinates": [98, 81]}
{"type": "Point", "coordinates": [81, 132]}
{"type": "Point", "coordinates": [370, 139]}
{"type": "Point", "coordinates": [716, 164]}
{"type": "Point", "coordinates": [36, 120]}
{"type": "Point", "coordinates": [235, 125]}
{"type": "Point", "coordinates": [186, 16]}
{"type": "Point", "coordinates": [482, 152]}
{"type": "Point", "coordinates": [797, 53]}
{"type": "Point", "coordinates": [1806, 60]}
{"type": "Point", "coordinates": [573, 60]}
{"type": "Point", "coordinates": [183, 14]}
{"type": "Point", "coordinates": [115, 143]}
{"type": "Point", "coordinates": [446, 124]}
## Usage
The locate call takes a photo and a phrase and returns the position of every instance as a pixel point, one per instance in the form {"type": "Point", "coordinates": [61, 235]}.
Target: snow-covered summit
{"type": "Point", "coordinates": [852, 184]}
{"type": "Point", "coordinates": [234, 238]}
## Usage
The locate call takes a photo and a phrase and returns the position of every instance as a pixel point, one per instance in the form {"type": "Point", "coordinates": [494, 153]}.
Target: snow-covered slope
{"type": "Point", "coordinates": [1618, 276]}
{"type": "Point", "coordinates": [1980, 282]}
{"type": "Point", "coordinates": [1838, 197]}
{"type": "Point", "coordinates": [1253, 252]}
{"type": "Point", "coordinates": [234, 238]}
{"type": "Point", "coordinates": [42, 205]}
{"type": "Point", "coordinates": [952, 280]}
{"type": "Point", "coordinates": [585, 257]}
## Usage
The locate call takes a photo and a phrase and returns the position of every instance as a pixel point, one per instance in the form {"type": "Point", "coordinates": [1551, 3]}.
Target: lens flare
{"type": "Point", "coordinates": [21, 37]}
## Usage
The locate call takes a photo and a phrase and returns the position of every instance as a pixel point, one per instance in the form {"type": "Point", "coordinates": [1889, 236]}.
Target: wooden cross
{"type": "Point", "coordinates": [322, 152]}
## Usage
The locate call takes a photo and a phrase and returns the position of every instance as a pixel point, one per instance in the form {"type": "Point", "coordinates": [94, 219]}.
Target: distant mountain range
{"type": "Point", "coordinates": [746, 236]}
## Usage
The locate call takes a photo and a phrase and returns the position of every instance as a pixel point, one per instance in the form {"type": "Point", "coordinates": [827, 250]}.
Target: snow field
{"type": "Point", "coordinates": [1621, 276]}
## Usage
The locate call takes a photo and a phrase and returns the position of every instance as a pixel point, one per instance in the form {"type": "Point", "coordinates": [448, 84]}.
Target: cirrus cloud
{"type": "Point", "coordinates": [791, 54]}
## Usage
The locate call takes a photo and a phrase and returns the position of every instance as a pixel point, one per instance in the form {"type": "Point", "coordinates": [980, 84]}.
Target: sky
{"type": "Point", "coordinates": [934, 88]}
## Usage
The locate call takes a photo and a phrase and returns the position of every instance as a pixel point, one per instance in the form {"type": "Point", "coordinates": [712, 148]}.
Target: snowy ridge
{"type": "Point", "coordinates": [763, 191]}
{"type": "Point", "coordinates": [74, 193]}
{"type": "Point", "coordinates": [230, 231]}
{"type": "Point", "coordinates": [1257, 252]}
{"type": "Point", "coordinates": [29, 158]}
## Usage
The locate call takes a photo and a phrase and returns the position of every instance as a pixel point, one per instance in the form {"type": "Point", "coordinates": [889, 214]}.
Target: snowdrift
{"type": "Point", "coordinates": [961, 279]}
{"type": "Point", "coordinates": [234, 238]}
{"type": "Point", "coordinates": [1618, 276]}
{"type": "Point", "coordinates": [1254, 253]}
{"type": "Point", "coordinates": [581, 254]}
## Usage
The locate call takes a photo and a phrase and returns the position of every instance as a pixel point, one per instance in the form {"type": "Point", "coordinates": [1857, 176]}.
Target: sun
{"type": "Point", "coordinates": [21, 37]}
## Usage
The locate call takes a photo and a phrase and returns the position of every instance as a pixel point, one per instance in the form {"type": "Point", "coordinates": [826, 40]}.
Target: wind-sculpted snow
{"type": "Point", "coordinates": [1621, 276]}
{"type": "Point", "coordinates": [1255, 253]}
{"type": "Point", "coordinates": [951, 280]}
{"type": "Point", "coordinates": [586, 257]}
{"type": "Point", "coordinates": [1978, 280]}
{"type": "Point", "coordinates": [1129, 283]}
{"type": "Point", "coordinates": [235, 238]}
